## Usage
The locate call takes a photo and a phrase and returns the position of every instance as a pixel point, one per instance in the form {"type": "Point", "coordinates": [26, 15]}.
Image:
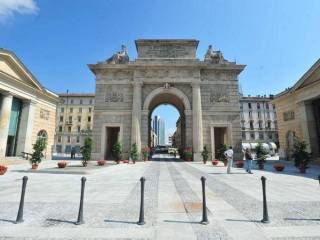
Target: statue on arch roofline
{"type": "Point", "coordinates": [214, 56]}
{"type": "Point", "coordinates": [119, 57]}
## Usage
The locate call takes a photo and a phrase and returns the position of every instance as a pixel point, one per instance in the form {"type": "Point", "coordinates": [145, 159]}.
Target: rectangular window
{"type": "Point", "coordinates": [71, 110]}
{"type": "Point", "coordinates": [259, 114]}
{"type": "Point", "coordinates": [252, 136]}
{"type": "Point", "coordinates": [81, 102]}
{"type": "Point", "coordinates": [79, 118]}
{"type": "Point", "coordinates": [251, 125]}
{"type": "Point", "coordinates": [250, 114]}
{"type": "Point", "coordinates": [268, 115]}
{"type": "Point", "coordinates": [267, 105]}
{"type": "Point", "coordinates": [80, 110]}
{"type": "Point", "coordinates": [69, 129]}
{"type": "Point", "coordinates": [249, 105]}
{"type": "Point", "coordinates": [79, 129]}
{"type": "Point", "coordinates": [61, 118]}
{"type": "Point", "coordinates": [70, 119]}
{"type": "Point", "coordinates": [260, 125]}
{"type": "Point", "coordinates": [62, 109]}
{"type": "Point", "coordinates": [274, 107]}
{"type": "Point", "coordinates": [90, 110]}
{"type": "Point", "coordinates": [258, 105]}
{"type": "Point", "coordinates": [78, 139]}
{"type": "Point", "coordinates": [244, 135]}
{"type": "Point", "coordinates": [69, 139]}
{"type": "Point", "coordinates": [71, 101]}
{"type": "Point", "coordinates": [59, 139]}
{"type": "Point", "coordinates": [60, 128]}
{"type": "Point", "coordinates": [261, 136]}
{"type": "Point", "coordinates": [90, 101]}
{"type": "Point", "coordinates": [269, 125]}
{"type": "Point", "coordinates": [89, 119]}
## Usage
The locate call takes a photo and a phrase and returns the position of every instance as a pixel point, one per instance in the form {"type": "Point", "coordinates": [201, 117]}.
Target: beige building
{"type": "Point", "coordinates": [74, 121]}
{"type": "Point", "coordinates": [27, 109]}
{"type": "Point", "coordinates": [258, 120]}
{"type": "Point", "coordinates": [205, 92]}
{"type": "Point", "coordinates": [298, 110]}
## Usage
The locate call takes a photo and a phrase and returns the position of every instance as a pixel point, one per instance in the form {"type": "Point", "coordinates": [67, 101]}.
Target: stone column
{"type": "Point", "coordinates": [197, 121]}
{"type": "Point", "coordinates": [5, 112]}
{"type": "Point", "coordinates": [24, 141]}
{"type": "Point", "coordinates": [136, 115]}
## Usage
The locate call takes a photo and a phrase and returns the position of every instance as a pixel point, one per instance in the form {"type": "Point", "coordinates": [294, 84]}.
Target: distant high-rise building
{"type": "Point", "coordinates": [158, 126]}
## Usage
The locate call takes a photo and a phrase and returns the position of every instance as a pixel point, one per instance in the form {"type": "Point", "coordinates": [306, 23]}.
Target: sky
{"type": "Point", "coordinates": [277, 40]}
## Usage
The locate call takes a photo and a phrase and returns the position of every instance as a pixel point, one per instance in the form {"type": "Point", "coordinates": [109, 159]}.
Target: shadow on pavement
{"type": "Point", "coordinates": [175, 221]}
{"type": "Point", "coordinates": [60, 221]}
{"type": "Point", "coordinates": [118, 221]}
{"type": "Point", "coordinates": [243, 220]}
{"type": "Point", "coordinates": [301, 219]}
{"type": "Point", "coordinates": [6, 220]}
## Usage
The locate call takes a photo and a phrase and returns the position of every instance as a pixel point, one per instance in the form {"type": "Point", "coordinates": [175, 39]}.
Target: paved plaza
{"type": "Point", "coordinates": [173, 203]}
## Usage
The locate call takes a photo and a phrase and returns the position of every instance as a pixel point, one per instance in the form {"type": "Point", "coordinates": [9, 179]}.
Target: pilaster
{"type": "Point", "coordinates": [5, 112]}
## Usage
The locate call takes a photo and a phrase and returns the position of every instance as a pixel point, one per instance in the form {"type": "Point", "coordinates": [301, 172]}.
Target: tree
{"type": "Point", "coordinates": [38, 148]}
{"type": "Point", "coordinates": [261, 153]}
{"type": "Point", "coordinates": [117, 151]}
{"type": "Point", "coordinates": [86, 151]}
{"type": "Point", "coordinates": [134, 154]}
{"type": "Point", "coordinates": [300, 154]}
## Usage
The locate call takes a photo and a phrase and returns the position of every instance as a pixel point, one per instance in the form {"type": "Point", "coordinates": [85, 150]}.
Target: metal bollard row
{"type": "Point", "coordinates": [141, 220]}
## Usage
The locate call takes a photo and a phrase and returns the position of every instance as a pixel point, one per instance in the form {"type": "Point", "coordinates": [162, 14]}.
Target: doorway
{"type": "Point", "coordinates": [220, 138]}
{"type": "Point", "coordinates": [112, 137]}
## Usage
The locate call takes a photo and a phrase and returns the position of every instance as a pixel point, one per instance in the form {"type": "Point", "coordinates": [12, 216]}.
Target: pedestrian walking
{"type": "Point", "coordinates": [229, 156]}
{"type": "Point", "coordinates": [73, 153]}
{"type": "Point", "coordinates": [248, 157]}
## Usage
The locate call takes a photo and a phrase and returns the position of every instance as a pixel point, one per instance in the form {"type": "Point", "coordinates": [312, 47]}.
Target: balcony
{"type": "Point", "coordinates": [69, 123]}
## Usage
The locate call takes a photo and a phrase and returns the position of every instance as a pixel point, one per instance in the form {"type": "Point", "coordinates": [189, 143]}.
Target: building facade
{"type": "Point", "coordinates": [205, 92]}
{"type": "Point", "coordinates": [73, 122]}
{"type": "Point", "coordinates": [298, 111]}
{"type": "Point", "coordinates": [27, 109]}
{"type": "Point", "coordinates": [258, 120]}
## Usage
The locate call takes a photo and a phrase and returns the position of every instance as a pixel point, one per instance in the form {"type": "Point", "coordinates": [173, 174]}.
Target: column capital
{"type": "Point", "coordinates": [137, 83]}
{"type": "Point", "coordinates": [29, 101]}
{"type": "Point", "coordinates": [195, 84]}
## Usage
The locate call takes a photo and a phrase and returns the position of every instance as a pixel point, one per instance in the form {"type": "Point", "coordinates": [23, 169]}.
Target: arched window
{"type": "Point", "coordinates": [42, 134]}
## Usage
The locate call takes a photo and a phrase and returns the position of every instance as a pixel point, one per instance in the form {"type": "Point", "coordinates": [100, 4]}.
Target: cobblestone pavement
{"type": "Point", "coordinates": [173, 203]}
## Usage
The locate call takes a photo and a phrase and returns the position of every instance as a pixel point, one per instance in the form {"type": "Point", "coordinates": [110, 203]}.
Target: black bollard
{"type": "Point", "coordinates": [141, 217]}
{"type": "Point", "coordinates": [80, 214]}
{"type": "Point", "coordinates": [20, 211]}
{"type": "Point", "coordinates": [204, 220]}
{"type": "Point", "coordinates": [265, 218]}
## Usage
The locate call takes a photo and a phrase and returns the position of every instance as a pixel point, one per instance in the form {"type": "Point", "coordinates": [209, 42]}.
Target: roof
{"type": "Point", "coordinates": [76, 94]}
{"type": "Point", "coordinates": [26, 71]}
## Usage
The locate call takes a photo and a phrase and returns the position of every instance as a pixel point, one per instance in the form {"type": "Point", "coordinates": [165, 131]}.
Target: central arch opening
{"type": "Point", "coordinates": [167, 108]}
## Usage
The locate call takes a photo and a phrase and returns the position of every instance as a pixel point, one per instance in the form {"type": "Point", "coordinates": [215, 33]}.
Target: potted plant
{"type": "Point", "coordinates": [146, 152]}
{"type": "Point", "coordinates": [86, 151]}
{"type": "Point", "coordinates": [101, 162]}
{"type": "Point", "coordinates": [62, 164]}
{"type": "Point", "coordinates": [37, 154]}
{"type": "Point", "coordinates": [261, 153]}
{"type": "Point", "coordinates": [3, 169]}
{"type": "Point", "coordinates": [215, 162]}
{"type": "Point", "coordinates": [300, 154]}
{"type": "Point", "coordinates": [239, 163]}
{"type": "Point", "coordinates": [221, 155]}
{"type": "Point", "coordinates": [279, 167]}
{"type": "Point", "coordinates": [117, 152]}
{"type": "Point", "coordinates": [187, 152]}
{"type": "Point", "coordinates": [134, 153]}
{"type": "Point", "coordinates": [126, 161]}
{"type": "Point", "coordinates": [205, 154]}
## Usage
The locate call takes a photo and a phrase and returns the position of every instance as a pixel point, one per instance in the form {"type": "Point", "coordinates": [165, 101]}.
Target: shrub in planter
{"type": "Point", "coordinates": [301, 156]}
{"type": "Point", "coordinates": [86, 151]}
{"type": "Point", "coordinates": [126, 161]}
{"type": "Point", "coordinates": [62, 164]}
{"type": "Point", "coordinates": [205, 154]}
{"type": "Point", "coordinates": [187, 152]}
{"type": "Point", "coordinates": [279, 167]}
{"type": "Point", "coordinates": [239, 164]}
{"type": "Point", "coordinates": [215, 162]}
{"type": "Point", "coordinates": [101, 162]}
{"type": "Point", "coordinates": [221, 155]}
{"type": "Point", "coordinates": [37, 154]}
{"type": "Point", "coordinates": [3, 169]}
{"type": "Point", "coordinates": [134, 153]}
{"type": "Point", "coordinates": [145, 153]}
{"type": "Point", "coordinates": [117, 152]}
{"type": "Point", "coordinates": [261, 153]}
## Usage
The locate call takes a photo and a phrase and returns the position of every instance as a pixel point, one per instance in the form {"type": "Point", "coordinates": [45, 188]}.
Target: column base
{"type": "Point", "coordinates": [197, 157]}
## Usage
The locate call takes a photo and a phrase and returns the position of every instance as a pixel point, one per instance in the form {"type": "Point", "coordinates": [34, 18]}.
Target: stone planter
{"type": "Point", "coordinates": [126, 161]}
{"type": "Point", "coordinates": [101, 162]}
{"type": "Point", "coordinates": [279, 167]}
{"type": "Point", "coordinates": [34, 166]}
{"type": "Point", "coordinates": [3, 169]}
{"type": "Point", "coordinates": [62, 164]}
{"type": "Point", "coordinates": [215, 162]}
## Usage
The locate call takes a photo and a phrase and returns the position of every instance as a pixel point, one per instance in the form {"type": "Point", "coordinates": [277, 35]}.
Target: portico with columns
{"type": "Point", "coordinates": [26, 108]}
{"type": "Point", "coordinates": [167, 72]}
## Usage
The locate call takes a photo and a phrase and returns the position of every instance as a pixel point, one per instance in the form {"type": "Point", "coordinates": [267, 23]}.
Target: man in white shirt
{"type": "Point", "coordinates": [229, 156]}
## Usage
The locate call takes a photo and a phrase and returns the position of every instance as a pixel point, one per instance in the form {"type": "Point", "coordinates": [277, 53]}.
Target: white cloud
{"type": "Point", "coordinates": [9, 7]}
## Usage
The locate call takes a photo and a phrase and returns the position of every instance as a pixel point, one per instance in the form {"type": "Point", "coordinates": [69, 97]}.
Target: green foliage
{"type": "Point", "coordinates": [205, 153]}
{"type": "Point", "coordinates": [221, 151]}
{"type": "Point", "coordinates": [261, 153]}
{"type": "Point", "coordinates": [38, 148]}
{"type": "Point", "coordinates": [86, 150]}
{"type": "Point", "coordinates": [187, 152]}
{"type": "Point", "coordinates": [300, 154]}
{"type": "Point", "coordinates": [117, 151]}
{"type": "Point", "coordinates": [134, 154]}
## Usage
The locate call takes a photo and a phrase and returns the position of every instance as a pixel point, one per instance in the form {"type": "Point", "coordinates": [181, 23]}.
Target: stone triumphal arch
{"type": "Point", "coordinates": [166, 71]}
